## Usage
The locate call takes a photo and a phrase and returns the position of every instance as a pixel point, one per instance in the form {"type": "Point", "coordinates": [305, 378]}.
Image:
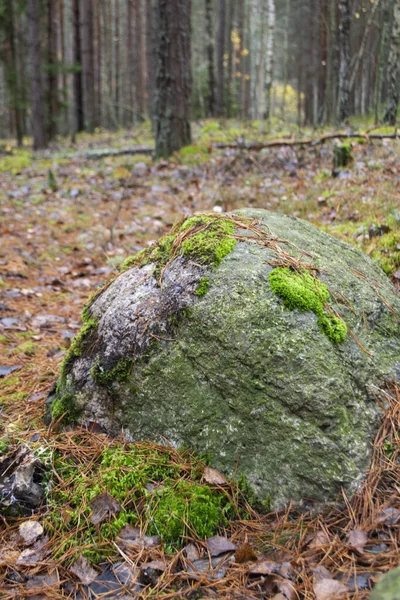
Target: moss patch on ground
{"type": "Point", "coordinates": [158, 489]}
{"type": "Point", "coordinates": [303, 291]}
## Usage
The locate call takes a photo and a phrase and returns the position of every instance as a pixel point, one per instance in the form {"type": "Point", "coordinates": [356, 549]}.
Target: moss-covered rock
{"type": "Point", "coordinates": [255, 338]}
{"type": "Point", "coordinates": [388, 586]}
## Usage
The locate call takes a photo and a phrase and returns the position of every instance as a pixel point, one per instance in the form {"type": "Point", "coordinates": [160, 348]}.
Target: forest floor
{"type": "Point", "coordinates": [66, 223]}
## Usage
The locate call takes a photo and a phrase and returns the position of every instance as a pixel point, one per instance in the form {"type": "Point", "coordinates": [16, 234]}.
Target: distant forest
{"type": "Point", "coordinates": [73, 65]}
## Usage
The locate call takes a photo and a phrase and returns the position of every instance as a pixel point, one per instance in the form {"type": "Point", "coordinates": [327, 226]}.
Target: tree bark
{"type": "Point", "coordinates": [210, 60]}
{"type": "Point", "coordinates": [174, 80]}
{"type": "Point", "coordinates": [52, 91]}
{"type": "Point", "coordinates": [11, 72]}
{"type": "Point", "coordinates": [77, 81]}
{"type": "Point", "coordinates": [344, 72]}
{"type": "Point", "coordinates": [394, 69]}
{"type": "Point", "coordinates": [37, 99]}
{"type": "Point", "coordinates": [87, 50]}
{"type": "Point", "coordinates": [269, 55]}
{"type": "Point", "coordinates": [220, 57]}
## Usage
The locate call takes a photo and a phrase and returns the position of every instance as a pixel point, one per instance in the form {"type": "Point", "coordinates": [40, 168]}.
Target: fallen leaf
{"type": "Point", "coordinates": [389, 516]}
{"type": "Point", "coordinates": [245, 553]}
{"type": "Point", "coordinates": [287, 589]}
{"type": "Point", "coordinates": [30, 531]}
{"type": "Point", "coordinates": [155, 565]}
{"type": "Point", "coordinates": [320, 540]}
{"type": "Point", "coordinates": [104, 507]}
{"type": "Point", "coordinates": [214, 477]}
{"type": "Point", "coordinates": [357, 539]}
{"type": "Point", "coordinates": [30, 557]}
{"type": "Point", "coordinates": [320, 573]}
{"type": "Point", "coordinates": [329, 589]}
{"type": "Point", "coordinates": [191, 552]}
{"type": "Point", "coordinates": [6, 370]}
{"type": "Point", "coordinates": [264, 567]}
{"type": "Point", "coordinates": [218, 544]}
{"type": "Point", "coordinates": [84, 572]}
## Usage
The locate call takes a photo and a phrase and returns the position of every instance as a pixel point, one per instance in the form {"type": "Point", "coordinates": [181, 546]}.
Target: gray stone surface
{"type": "Point", "coordinates": [258, 387]}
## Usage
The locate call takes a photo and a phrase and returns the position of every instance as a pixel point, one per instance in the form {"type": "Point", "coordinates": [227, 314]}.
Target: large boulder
{"type": "Point", "coordinates": [253, 337]}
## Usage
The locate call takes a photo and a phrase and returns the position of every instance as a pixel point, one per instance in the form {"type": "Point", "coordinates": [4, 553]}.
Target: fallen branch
{"type": "Point", "coordinates": [257, 146]}
{"type": "Point", "coordinates": [250, 146]}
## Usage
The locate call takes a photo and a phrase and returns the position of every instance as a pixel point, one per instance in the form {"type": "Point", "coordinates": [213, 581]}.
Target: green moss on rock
{"type": "Point", "coordinates": [333, 327]}
{"type": "Point", "coordinates": [64, 408]}
{"type": "Point", "coordinates": [203, 286]}
{"type": "Point", "coordinates": [212, 243]}
{"type": "Point", "coordinates": [78, 345]}
{"type": "Point", "coordinates": [299, 289]}
{"type": "Point", "coordinates": [208, 246]}
{"type": "Point", "coordinates": [120, 372]}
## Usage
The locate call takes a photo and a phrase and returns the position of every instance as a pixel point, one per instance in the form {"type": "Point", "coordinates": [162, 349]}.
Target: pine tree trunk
{"type": "Point", "coordinates": [269, 55]}
{"type": "Point", "coordinates": [77, 81]}
{"type": "Point", "coordinates": [344, 72]}
{"type": "Point", "coordinates": [387, 14]}
{"type": "Point", "coordinates": [220, 57]}
{"type": "Point", "coordinates": [11, 72]}
{"type": "Point", "coordinates": [174, 80]}
{"type": "Point", "coordinates": [52, 95]}
{"type": "Point", "coordinates": [86, 8]}
{"type": "Point", "coordinates": [394, 69]}
{"type": "Point", "coordinates": [210, 60]}
{"type": "Point", "coordinates": [37, 98]}
{"type": "Point", "coordinates": [331, 66]}
{"type": "Point", "coordinates": [150, 55]}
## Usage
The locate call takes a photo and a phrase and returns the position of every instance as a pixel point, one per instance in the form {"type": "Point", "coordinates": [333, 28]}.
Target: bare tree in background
{"type": "Point", "coordinates": [220, 56]}
{"type": "Point", "coordinates": [87, 50]}
{"type": "Point", "coordinates": [394, 69]}
{"type": "Point", "coordinates": [344, 73]}
{"type": "Point", "coordinates": [269, 7]}
{"type": "Point", "coordinates": [174, 80]}
{"type": "Point", "coordinates": [37, 97]}
{"type": "Point", "coordinates": [210, 58]}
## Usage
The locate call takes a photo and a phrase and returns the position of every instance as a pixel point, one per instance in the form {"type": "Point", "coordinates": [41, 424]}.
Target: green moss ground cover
{"type": "Point", "coordinates": [158, 489]}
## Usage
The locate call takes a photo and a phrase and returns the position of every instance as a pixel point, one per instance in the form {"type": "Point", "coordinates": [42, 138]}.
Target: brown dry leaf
{"type": "Point", "coordinates": [155, 565]}
{"type": "Point", "coordinates": [191, 552]}
{"type": "Point", "coordinates": [30, 557]}
{"type": "Point", "coordinates": [329, 589]}
{"type": "Point", "coordinates": [218, 544]}
{"type": "Point", "coordinates": [245, 553]}
{"type": "Point", "coordinates": [357, 539]}
{"type": "Point", "coordinates": [8, 557]}
{"type": "Point", "coordinates": [30, 531]}
{"type": "Point", "coordinates": [389, 516]}
{"type": "Point", "coordinates": [320, 573]}
{"type": "Point", "coordinates": [84, 572]}
{"type": "Point", "coordinates": [287, 589]}
{"type": "Point", "coordinates": [264, 567]}
{"type": "Point", "coordinates": [320, 540]}
{"type": "Point", "coordinates": [104, 507]}
{"type": "Point", "coordinates": [129, 533]}
{"type": "Point", "coordinates": [214, 477]}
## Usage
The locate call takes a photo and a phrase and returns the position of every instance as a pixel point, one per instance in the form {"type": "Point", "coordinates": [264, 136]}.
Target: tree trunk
{"type": "Point", "coordinates": [220, 57]}
{"type": "Point", "coordinates": [11, 71]}
{"type": "Point", "coordinates": [394, 69]}
{"type": "Point", "coordinates": [77, 82]}
{"type": "Point", "coordinates": [174, 80]}
{"type": "Point", "coordinates": [150, 54]}
{"type": "Point", "coordinates": [331, 66]}
{"type": "Point", "coordinates": [344, 72]}
{"type": "Point", "coordinates": [52, 95]}
{"type": "Point", "coordinates": [269, 55]}
{"type": "Point", "coordinates": [387, 14]}
{"type": "Point", "coordinates": [37, 99]}
{"type": "Point", "coordinates": [210, 60]}
{"type": "Point", "coordinates": [86, 13]}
